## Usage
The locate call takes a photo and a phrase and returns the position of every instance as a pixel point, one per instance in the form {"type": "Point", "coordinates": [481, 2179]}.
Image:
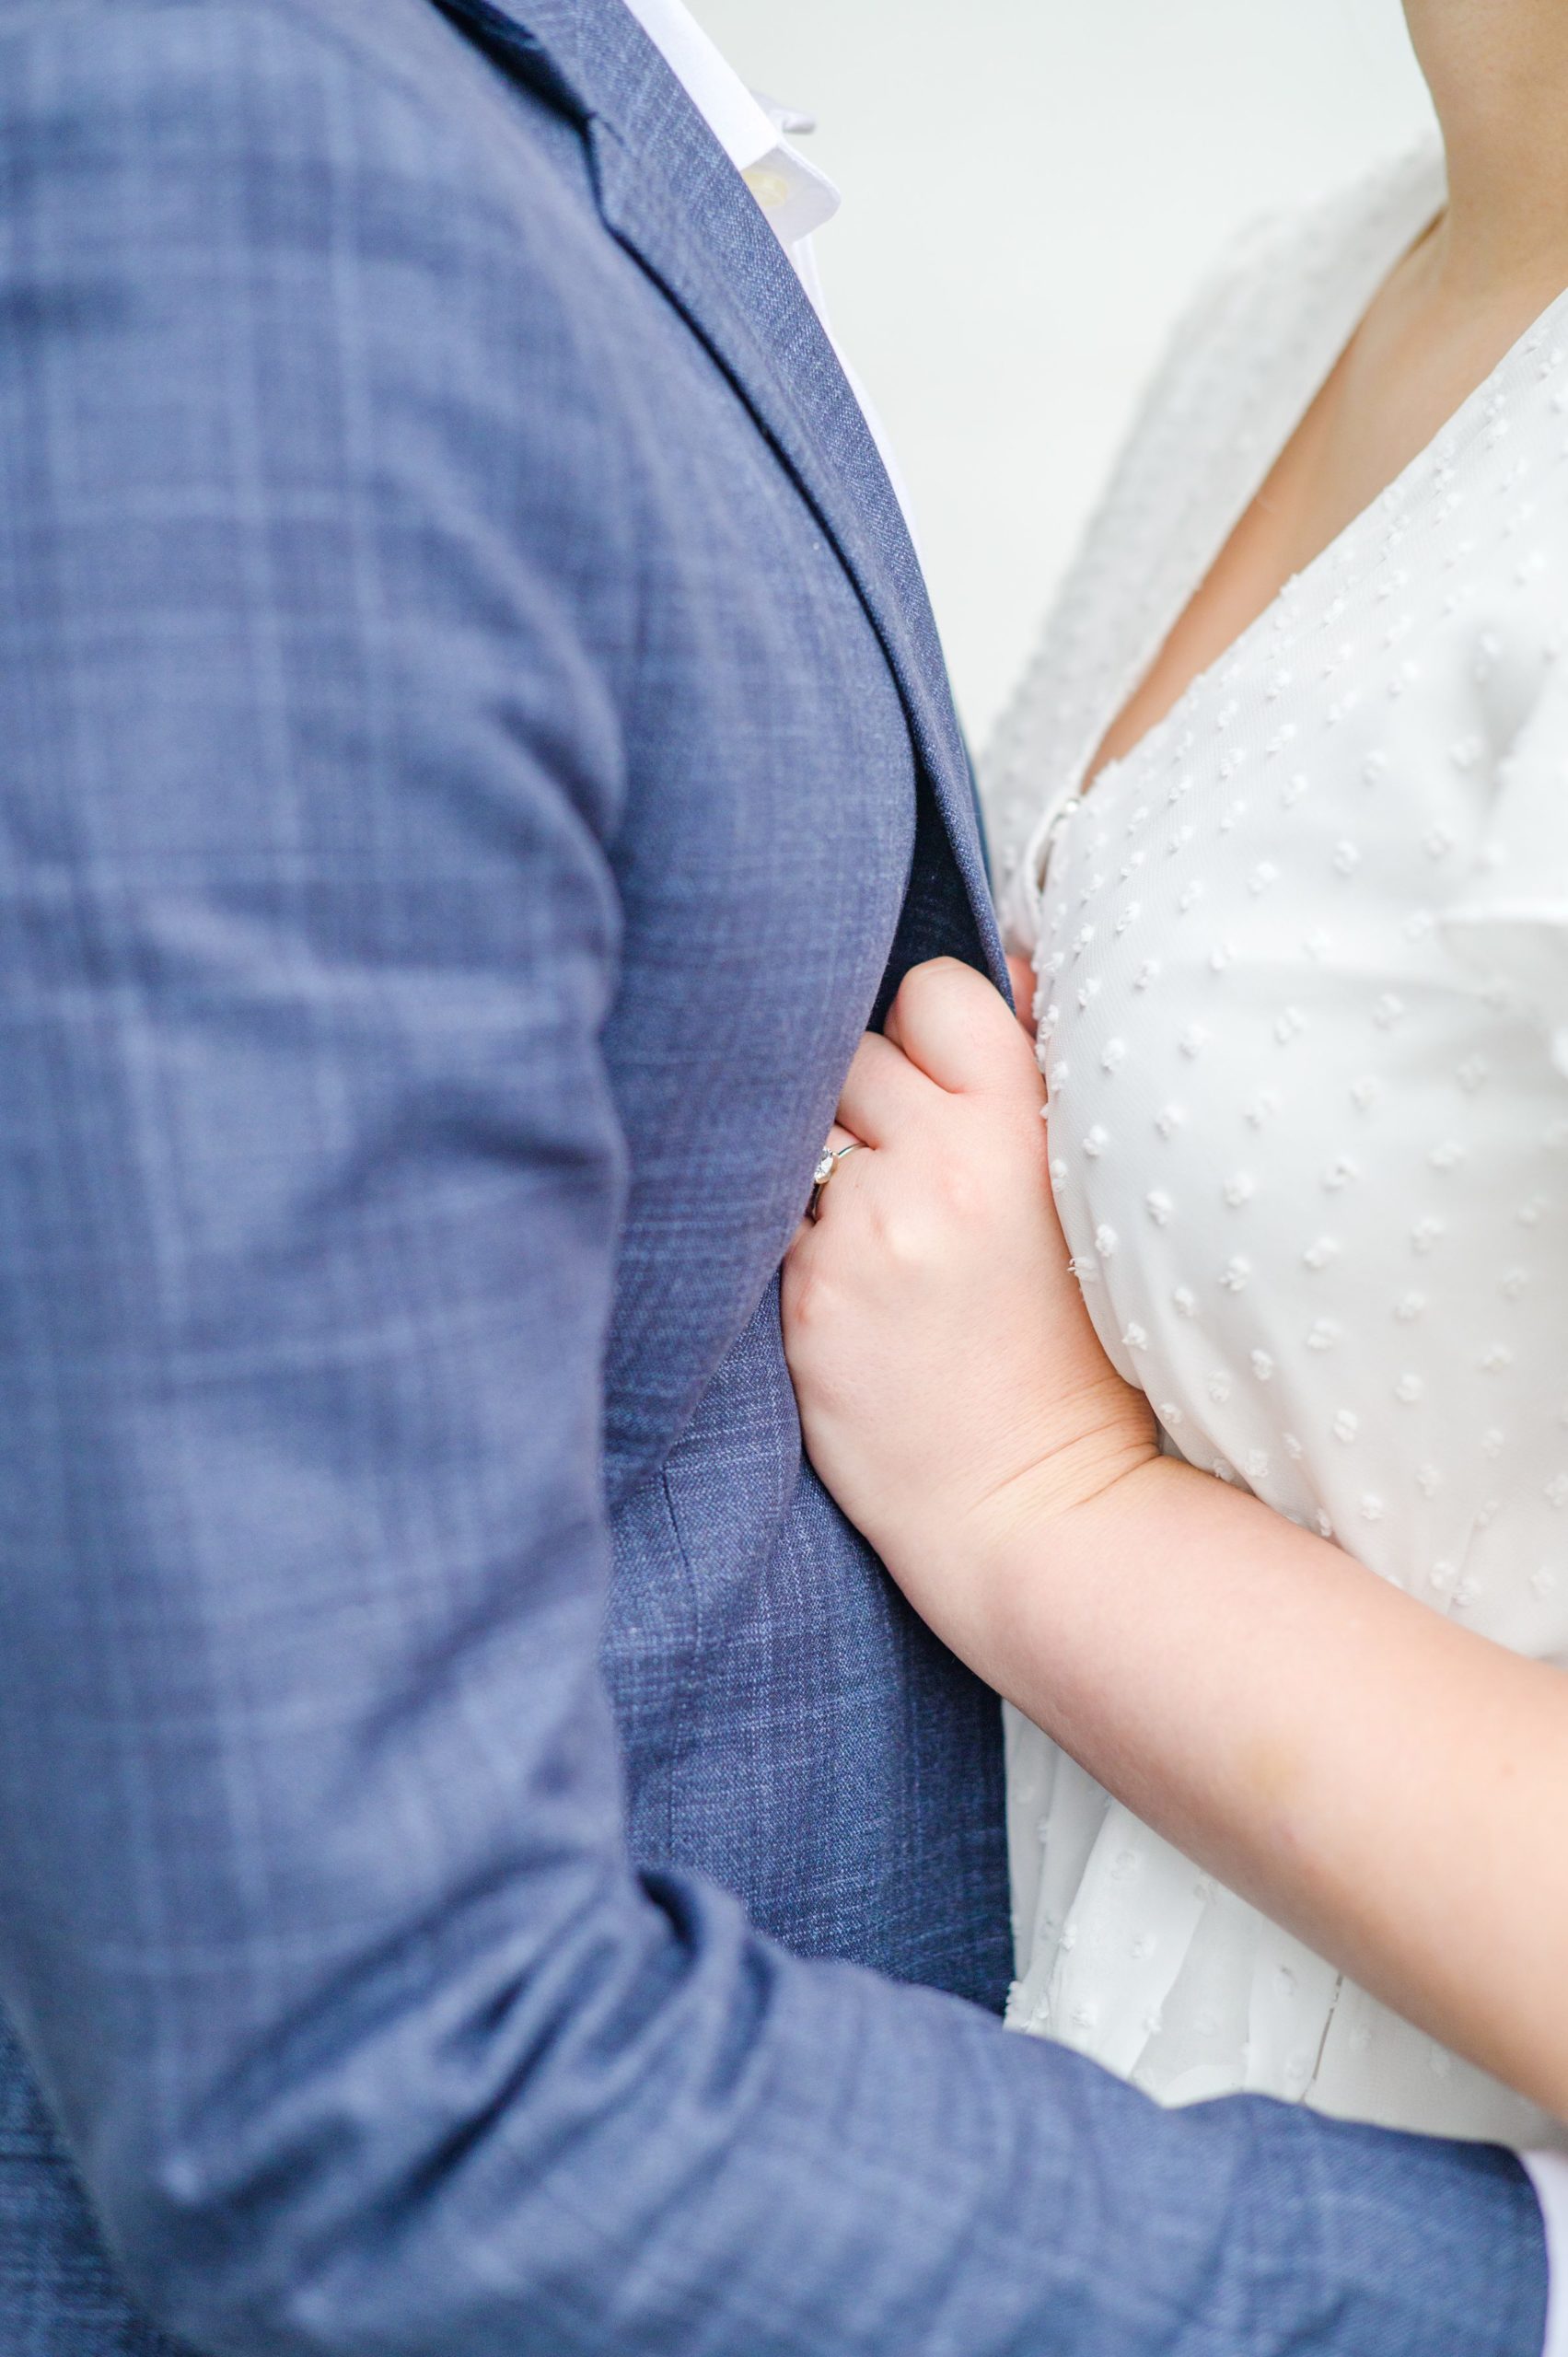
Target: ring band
{"type": "Point", "coordinates": [830, 1158]}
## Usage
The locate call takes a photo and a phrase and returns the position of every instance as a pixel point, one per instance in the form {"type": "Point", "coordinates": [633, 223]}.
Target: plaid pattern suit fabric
{"type": "Point", "coordinates": [486, 1862]}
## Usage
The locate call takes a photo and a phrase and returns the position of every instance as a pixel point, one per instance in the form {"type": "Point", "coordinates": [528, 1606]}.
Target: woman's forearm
{"type": "Point", "coordinates": [1391, 1786]}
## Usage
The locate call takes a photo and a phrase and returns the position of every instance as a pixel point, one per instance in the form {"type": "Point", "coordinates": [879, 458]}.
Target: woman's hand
{"type": "Point", "coordinates": [948, 1375]}
{"type": "Point", "coordinates": [1368, 1772]}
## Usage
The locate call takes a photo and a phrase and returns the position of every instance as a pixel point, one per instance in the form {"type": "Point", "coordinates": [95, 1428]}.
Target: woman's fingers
{"type": "Point", "coordinates": [882, 1092]}
{"type": "Point", "coordinates": [959, 1030]}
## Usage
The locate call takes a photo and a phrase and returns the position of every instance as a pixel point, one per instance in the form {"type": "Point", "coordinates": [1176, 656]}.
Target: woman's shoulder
{"type": "Point", "coordinates": [1291, 259]}
{"type": "Point", "coordinates": [1283, 295]}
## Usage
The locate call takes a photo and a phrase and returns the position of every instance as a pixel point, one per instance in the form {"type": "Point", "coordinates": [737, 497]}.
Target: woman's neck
{"type": "Point", "coordinates": [1498, 74]}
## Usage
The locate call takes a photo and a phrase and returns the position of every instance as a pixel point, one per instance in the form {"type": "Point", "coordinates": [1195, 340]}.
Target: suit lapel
{"type": "Point", "coordinates": [670, 195]}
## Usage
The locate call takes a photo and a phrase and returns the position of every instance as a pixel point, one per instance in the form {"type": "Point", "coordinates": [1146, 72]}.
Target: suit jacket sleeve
{"type": "Point", "coordinates": [316, 1917]}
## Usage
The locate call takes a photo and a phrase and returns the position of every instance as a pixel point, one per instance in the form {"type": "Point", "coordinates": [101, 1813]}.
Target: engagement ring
{"type": "Point", "coordinates": [831, 1157]}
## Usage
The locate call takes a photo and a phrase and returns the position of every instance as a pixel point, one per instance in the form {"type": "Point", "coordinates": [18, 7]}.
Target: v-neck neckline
{"type": "Point", "coordinates": [1381, 223]}
{"type": "Point", "coordinates": [1414, 208]}
{"type": "Point", "coordinates": [1336, 555]}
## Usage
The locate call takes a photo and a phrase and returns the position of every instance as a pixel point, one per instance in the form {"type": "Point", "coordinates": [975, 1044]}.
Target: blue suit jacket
{"type": "Point", "coordinates": [473, 754]}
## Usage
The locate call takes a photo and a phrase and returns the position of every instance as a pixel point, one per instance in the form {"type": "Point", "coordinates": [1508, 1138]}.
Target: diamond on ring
{"type": "Point", "coordinates": [831, 1157]}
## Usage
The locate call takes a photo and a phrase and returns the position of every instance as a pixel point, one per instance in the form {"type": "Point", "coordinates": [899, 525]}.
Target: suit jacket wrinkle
{"type": "Point", "coordinates": [476, 755]}
{"type": "Point", "coordinates": [667, 190]}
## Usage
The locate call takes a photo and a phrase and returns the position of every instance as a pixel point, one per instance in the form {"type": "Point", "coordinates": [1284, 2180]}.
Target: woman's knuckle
{"type": "Point", "coordinates": [961, 1190]}
{"type": "Point", "coordinates": [803, 1301]}
{"type": "Point", "coordinates": [896, 1234]}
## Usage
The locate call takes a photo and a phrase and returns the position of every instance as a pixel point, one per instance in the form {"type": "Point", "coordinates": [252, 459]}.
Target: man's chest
{"type": "Point", "coordinates": [761, 868]}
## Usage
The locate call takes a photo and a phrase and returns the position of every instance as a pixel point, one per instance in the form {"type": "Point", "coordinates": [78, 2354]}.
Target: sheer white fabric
{"type": "Point", "coordinates": [1303, 1008]}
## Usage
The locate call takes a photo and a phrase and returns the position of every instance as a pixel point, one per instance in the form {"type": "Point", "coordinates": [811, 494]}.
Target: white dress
{"type": "Point", "coordinates": [1303, 1009]}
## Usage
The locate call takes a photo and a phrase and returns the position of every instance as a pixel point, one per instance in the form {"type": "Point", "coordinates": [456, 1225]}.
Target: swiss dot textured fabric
{"type": "Point", "coordinates": [1303, 961]}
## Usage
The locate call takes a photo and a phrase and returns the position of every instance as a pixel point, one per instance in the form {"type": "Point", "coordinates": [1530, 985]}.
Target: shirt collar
{"type": "Point", "coordinates": [795, 197]}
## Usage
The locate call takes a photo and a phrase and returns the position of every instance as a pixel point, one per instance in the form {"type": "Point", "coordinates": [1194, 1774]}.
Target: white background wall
{"type": "Point", "coordinates": [1031, 187]}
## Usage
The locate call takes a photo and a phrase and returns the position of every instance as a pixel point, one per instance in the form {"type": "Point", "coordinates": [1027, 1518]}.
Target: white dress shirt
{"type": "Point", "coordinates": [756, 134]}
{"type": "Point", "coordinates": [752, 131]}
{"type": "Point", "coordinates": [798, 199]}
